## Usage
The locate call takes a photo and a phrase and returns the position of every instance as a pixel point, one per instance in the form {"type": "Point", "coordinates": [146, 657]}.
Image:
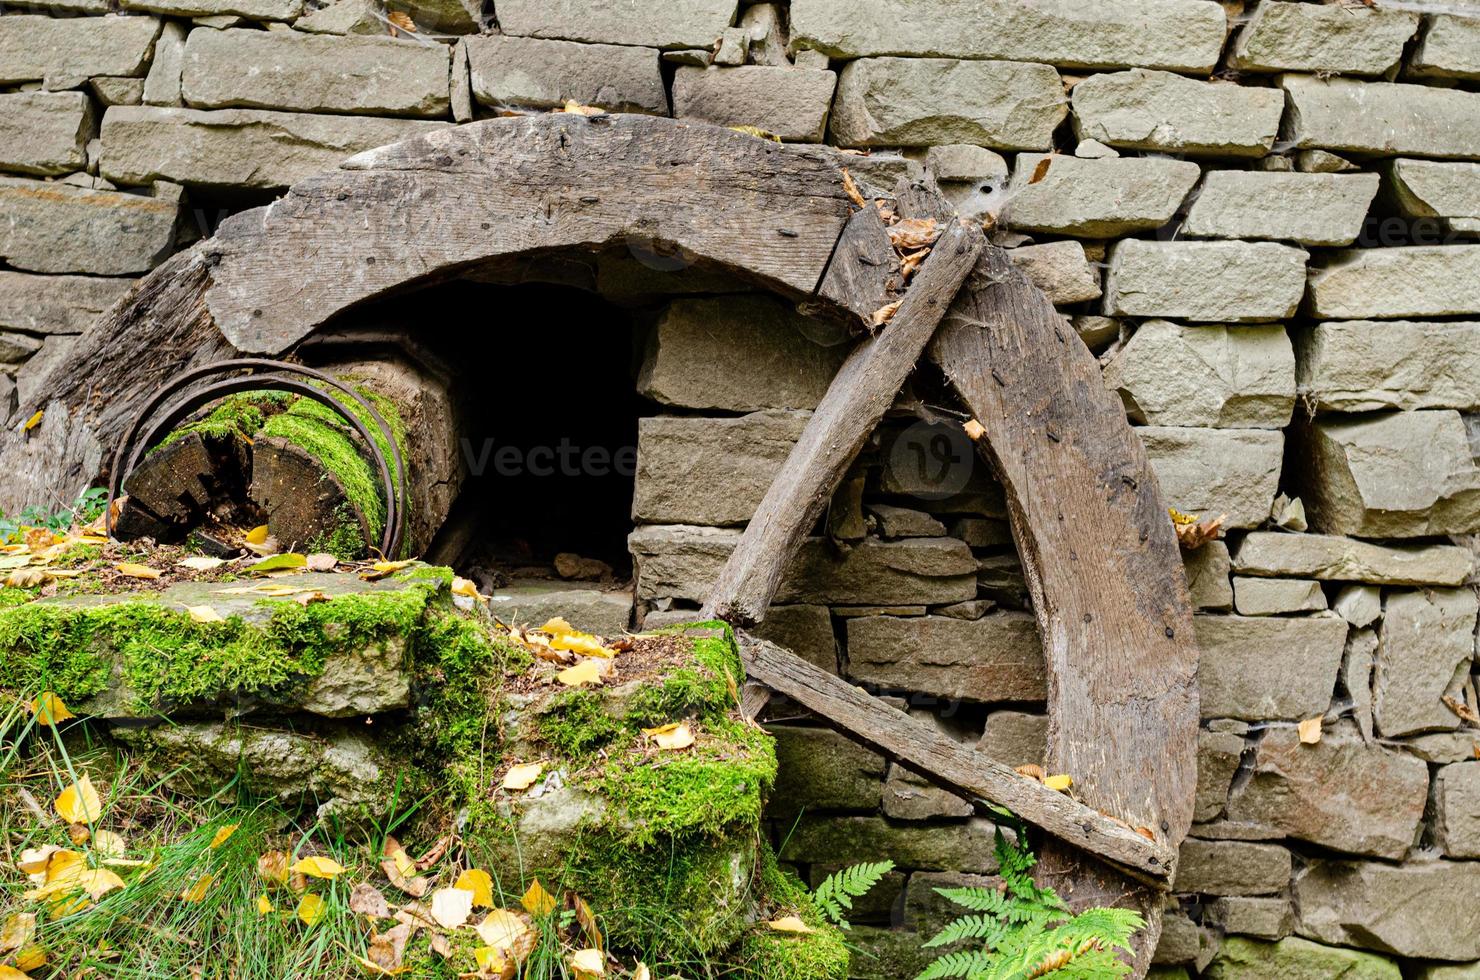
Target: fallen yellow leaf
{"type": "Point", "coordinates": [34, 420]}
{"type": "Point", "coordinates": [451, 907]}
{"type": "Point", "coordinates": [79, 803]}
{"type": "Point", "coordinates": [311, 909]}
{"type": "Point", "coordinates": [501, 929]}
{"type": "Point", "coordinates": [11, 973]}
{"type": "Point", "coordinates": [491, 962]}
{"type": "Point", "coordinates": [49, 709]}
{"type": "Point", "coordinates": [974, 429]}
{"type": "Point", "coordinates": [583, 643]}
{"type": "Point", "coordinates": [99, 882]}
{"type": "Point", "coordinates": [264, 905]}
{"type": "Point", "coordinates": [675, 736]}
{"type": "Point", "coordinates": [537, 901]}
{"type": "Point", "coordinates": [588, 964]}
{"type": "Point", "coordinates": [257, 535]}
{"type": "Point", "coordinates": [201, 563]}
{"type": "Point", "coordinates": [136, 571]}
{"type": "Point", "coordinates": [273, 866]}
{"type": "Point", "coordinates": [30, 958]}
{"type": "Point", "coordinates": [557, 626]}
{"type": "Point", "coordinates": [583, 673]}
{"type": "Point", "coordinates": [1310, 730]}
{"type": "Point", "coordinates": [223, 834]}
{"type": "Point", "coordinates": [318, 867]}
{"type": "Point", "coordinates": [107, 844]}
{"type": "Point", "coordinates": [1059, 783]}
{"type": "Point", "coordinates": [478, 882]}
{"type": "Point", "coordinates": [523, 776]}
{"type": "Point", "coordinates": [198, 891]}
{"type": "Point", "coordinates": [641, 972]}
{"type": "Point", "coordinates": [18, 931]}
{"type": "Point", "coordinates": [204, 614]}
{"type": "Point", "coordinates": [789, 923]}
{"type": "Point", "coordinates": [33, 860]}
{"type": "Point", "coordinates": [465, 587]}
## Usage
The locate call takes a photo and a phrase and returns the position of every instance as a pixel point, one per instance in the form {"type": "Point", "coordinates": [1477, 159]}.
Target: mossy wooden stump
{"type": "Point", "coordinates": [666, 845]}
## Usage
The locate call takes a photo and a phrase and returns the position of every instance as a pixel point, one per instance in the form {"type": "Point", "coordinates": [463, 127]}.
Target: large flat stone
{"type": "Point", "coordinates": [1450, 48]}
{"type": "Point", "coordinates": [805, 630]}
{"type": "Point", "coordinates": [1382, 118]}
{"type": "Point", "coordinates": [1309, 209]}
{"type": "Point", "coordinates": [1228, 867]}
{"type": "Point", "coordinates": [1365, 365]}
{"type": "Point", "coordinates": [1097, 198]}
{"type": "Point", "coordinates": [1394, 475]}
{"type": "Point", "coordinates": [1245, 376]}
{"type": "Point", "coordinates": [925, 101]}
{"type": "Point", "coordinates": [264, 10]}
{"type": "Point", "coordinates": [1229, 282]}
{"type": "Point", "coordinates": [1184, 35]}
{"type": "Point", "coordinates": [1325, 556]}
{"type": "Point", "coordinates": [70, 49]}
{"type": "Point", "coordinates": [1340, 793]}
{"type": "Point", "coordinates": [821, 769]}
{"type": "Point", "coordinates": [1294, 958]}
{"type": "Point", "coordinates": [1263, 918]}
{"type": "Point", "coordinates": [55, 304]}
{"type": "Point", "coordinates": [1422, 909]}
{"type": "Point", "coordinates": [1274, 596]}
{"type": "Point", "coordinates": [1424, 650]}
{"type": "Point", "coordinates": [962, 846]}
{"type": "Point", "coordinates": [1258, 668]}
{"type": "Point", "coordinates": [995, 658]}
{"type": "Point", "coordinates": [53, 227]}
{"type": "Point", "coordinates": [678, 24]}
{"type": "Point", "coordinates": [605, 612]}
{"type": "Point", "coordinates": [315, 73]}
{"type": "Point", "coordinates": [1436, 189]}
{"type": "Point", "coordinates": [1060, 269]}
{"type": "Point", "coordinates": [1233, 472]}
{"type": "Point", "coordinates": [1328, 39]}
{"type": "Point", "coordinates": [1218, 756]}
{"type": "Point", "coordinates": [1457, 810]}
{"type": "Point", "coordinates": [530, 73]}
{"type": "Point", "coordinates": [683, 562]}
{"type": "Point", "coordinates": [1403, 281]}
{"type": "Point", "coordinates": [791, 103]}
{"type": "Point", "coordinates": [1016, 738]}
{"type": "Point", "coordinates": [248, 148]}
{"type": "Point", "coordinates": [1158, 110]}
{"type": "Point", "coordinates": [1208, 576]}
{"type": "Point", "coordinates": [44, 132]}
{"type": "Point", "coordinates": [710, 470]}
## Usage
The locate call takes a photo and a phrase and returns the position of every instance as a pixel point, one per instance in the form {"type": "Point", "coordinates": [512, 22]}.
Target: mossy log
{"type": "Point", "coordinates": [298, 466]}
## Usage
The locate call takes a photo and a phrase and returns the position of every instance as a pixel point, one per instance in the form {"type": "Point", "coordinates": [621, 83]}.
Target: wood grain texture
{"type": "Point", "coordinates": [436, 205]}
{"type": "Point", "coordinates": [158, 329]}
{"type": "Point", "coordinates": [952, 764]}
{"type": "Point", "coordinates": [856, 400]}
{"type": "Point", "coordinates": [864, 271]}
{"type": "Point", "coordinates": [1102, 564]}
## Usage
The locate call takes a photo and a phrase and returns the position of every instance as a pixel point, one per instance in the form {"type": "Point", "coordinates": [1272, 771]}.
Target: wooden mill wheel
{"type": "Point", "coordinates": [501, 196]}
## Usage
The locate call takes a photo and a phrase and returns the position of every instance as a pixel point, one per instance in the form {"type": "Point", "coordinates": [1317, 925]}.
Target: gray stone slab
{"type": "Point", "coordinates": [1208, 576]}
{"type": "Point", "coordinates": [1212, 472]}
{"type": "Point", "coordinates": [1060, 270]}
{"type": "Point", "coordinates": [1098, 198]}
{"type": "Point", "coordinates": [821, 769]}
{"type": "Point", "coordinates": [1256, 668]}
{"type": "Point", "coordinates": [1325, 556]}
{"type": "Point", "coordinates": [55, 304]}
{"type": "Point", "coordinates": [245, 148]}
{"type": "Point", "coordinates": [1382, 118]}
{"type": "Point", "coordinates": [605, 612]}
{"type": "Point", "coordinates": [964, 845]}
{"type": "Point", "coordinates": [1220, 867]}
{"type": "Point", "coordinates": [1366, 365]}
{"type": "Point", "coordinates": [924, 101]}
{"type": "Point", "coordinates": [1435, 189]}
{"type": "Point", "coordinates": [1229, 282]}
{"type": "Point", "coordinates": [53, 227]}
{"type": "Point", "coordinates": [1423, 909]}
{"type": "Point", "coordinates": [35, 47]}
{"type": "Point", "coordinates": [1424, 650]}
{"type": "Point", "coordinates": [1157, 110]}
{"type": "Point", "coordinates": [677, 24]}
{"type": "Point", "coordinates": [1397, 282]}
{"type": "Point", "coordinates": [1450, 48]}
{"type": "Point", "coordinates": [995, 658]}
{"type": "Point", "coordinates": [791, 103]}
{"type": "Point", "coordinates": [1308, 209]}
{"type": "Point", "coordinates": [262, 10]}
{"type": "Point", "coordinates": [315, 73]}
{"type": "Point", "coordinates": [1296, 959]}
{"type": "Point", "coordinates": [44, 133]}
{"type": "Point", "coordinates": [1457, 810]}
{"type": "Point", "coordinates": [1317, 38]}
{"type": "Point", "coordinates": [1183, 35]}
{"type": "Point", "coordinates": [1273, 596]}
{"type": "Point", "coordinates": [530, 73]}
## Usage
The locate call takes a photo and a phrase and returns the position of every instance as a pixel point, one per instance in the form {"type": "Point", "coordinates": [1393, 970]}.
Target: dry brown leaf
{"type": "Point", "coordinates": [400, 870]}
{"type": "Point", "coordinates": [885, 313]}
{"type": "Point", "coordinates": [273, 867]}
{"type": "Point", "coordinates": [913, 233]}
{"type": "Point", "coordinates": [1041, 171]}
{"type": "Point", "coordinates": [577, 109]}
{"type": "Point", "coordinates": [27, 578]}
{"type": "Point", "coordinates": [911, 262]}
{"type": "Point", "coordinates": [1193, 533]}
{"type": "Point", "coordinates": [366, 899]}
{"type": "Point", "coordinates": [851, 189]}
{"type": "Point", "coordinates": [586, 919]}
{"type": "Point", "coordinates": [320, 561]}
{"type": "Point", "coordinates": [974, 429]}
{"type": "Point", "coordinates": [1032, 772]}
{"type": "Point", "coordinates": [400, 22]}
{"type": "Point", "coordinates": [1310, 730]}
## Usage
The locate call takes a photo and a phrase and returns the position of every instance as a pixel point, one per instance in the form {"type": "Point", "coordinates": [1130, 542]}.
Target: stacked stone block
{"type": "Point", "coordinates": [1262, 215]}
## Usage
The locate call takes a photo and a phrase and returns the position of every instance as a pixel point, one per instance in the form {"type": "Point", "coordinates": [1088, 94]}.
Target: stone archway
{"type": "Point", "coordinates": [1099, 553]}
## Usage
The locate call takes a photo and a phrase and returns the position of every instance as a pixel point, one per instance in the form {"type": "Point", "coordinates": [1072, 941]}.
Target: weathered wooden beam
{"type": "Point", "coordinates": [855, 402]}
{"type": "Point", "coordinates": [954, 765]}
{"type": "Point", "coordinates": [1101, 561]}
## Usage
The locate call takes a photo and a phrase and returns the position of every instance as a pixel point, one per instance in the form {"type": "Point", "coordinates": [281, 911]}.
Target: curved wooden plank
{"type": "Point", "coordinates": [1101, 561]}
{"type": "Point", "coordinates": [433, 205]}
{"type": "Point", "coordinates": [859, 395]}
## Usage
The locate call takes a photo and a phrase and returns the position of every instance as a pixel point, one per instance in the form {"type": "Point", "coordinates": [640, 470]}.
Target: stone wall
{"type": "Point", "coordinates": [1264, 216]}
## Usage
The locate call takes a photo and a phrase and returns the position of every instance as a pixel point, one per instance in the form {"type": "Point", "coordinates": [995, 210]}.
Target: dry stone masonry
{"type": "Point", "coordinates": [1262, 215]}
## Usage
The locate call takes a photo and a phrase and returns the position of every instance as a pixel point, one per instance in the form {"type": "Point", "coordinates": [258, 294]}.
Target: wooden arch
{"type": "Point", "coordinates": [1099, 553]}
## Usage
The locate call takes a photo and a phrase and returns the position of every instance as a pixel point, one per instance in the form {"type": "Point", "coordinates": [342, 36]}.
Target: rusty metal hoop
{"type": "Point", "coordinates": [125, 461]}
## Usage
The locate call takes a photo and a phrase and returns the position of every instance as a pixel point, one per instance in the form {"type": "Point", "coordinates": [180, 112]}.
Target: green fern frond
{"type": "Point", "coordinates": [989, 930]}
{"type": "Point", "coordinates": [836, 893]}
{"type": "Point", "coordinates": [967, 963]}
